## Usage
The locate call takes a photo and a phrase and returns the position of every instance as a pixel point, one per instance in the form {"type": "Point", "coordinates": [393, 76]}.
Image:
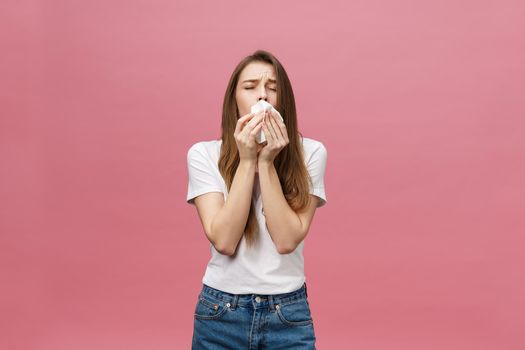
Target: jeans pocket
{"type": "Point", "coordinates": [208, 308]}
{"type": "Point", "coordinates": [295, 313]}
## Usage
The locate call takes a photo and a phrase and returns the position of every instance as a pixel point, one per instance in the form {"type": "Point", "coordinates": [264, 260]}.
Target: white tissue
{"type": "Point", "coordinates": [259, 106]}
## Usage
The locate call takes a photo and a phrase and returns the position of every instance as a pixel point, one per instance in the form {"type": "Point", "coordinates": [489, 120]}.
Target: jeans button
{"type": "Point", "coordinates": [258, 299]}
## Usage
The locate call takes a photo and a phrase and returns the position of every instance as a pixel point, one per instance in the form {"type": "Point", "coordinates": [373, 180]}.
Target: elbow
{"type": "Point", "coordinates": [288, 247]}
{"type": "Point", "coordinates": [289, 241]}
{"type": "Point", "coordinates": [220, 244]}
{"type": "Point", "coordinates": [285, 249]}
{"type": "Point", "coordinates": [222, 247]}
{"type": "Point", "coordinates": [224, 250]}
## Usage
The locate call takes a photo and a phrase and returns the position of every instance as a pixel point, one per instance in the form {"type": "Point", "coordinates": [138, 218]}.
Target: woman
{"type": "Point", "coordinates": [256, 202]}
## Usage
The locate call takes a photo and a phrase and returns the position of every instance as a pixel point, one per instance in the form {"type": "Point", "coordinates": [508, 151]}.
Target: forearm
{"type": "Point", "coordinates": [228, 224]}
{"type": "Point", "coordinates": [283, 223]}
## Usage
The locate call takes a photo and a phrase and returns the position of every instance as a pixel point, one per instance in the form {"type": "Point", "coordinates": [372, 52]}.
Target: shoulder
{"type": "Point", "coordinates": [313, 148]}
{"type": "Point", "coordinates": [201, 149]}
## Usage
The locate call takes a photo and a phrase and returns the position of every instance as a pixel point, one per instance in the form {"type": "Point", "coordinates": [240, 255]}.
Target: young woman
{"type": "Point", "coordinates": [256, 202]}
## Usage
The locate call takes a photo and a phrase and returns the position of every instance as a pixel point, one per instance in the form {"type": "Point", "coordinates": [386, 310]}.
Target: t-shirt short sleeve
{"type": "Point", "coordinates": [202, 173]}
{"type": "Point", "coordinates": [316, 167]}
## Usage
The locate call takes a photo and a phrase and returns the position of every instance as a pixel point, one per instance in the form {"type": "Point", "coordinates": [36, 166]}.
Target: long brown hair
{"type": "Point", "coordinates": [289, 163]}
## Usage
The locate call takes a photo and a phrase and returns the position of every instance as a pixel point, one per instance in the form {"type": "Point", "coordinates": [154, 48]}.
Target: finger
{"type": "Point", "coordinates": [249, 122]}
{"type": "Point", "coordinates": [282, 128]}
{"type": "Point", "coordinates": [242, 120]}
{"type": "Point", "coordinates": [274, 129]}
{"type": "Point", "coordinates": [268, 131]}
{"type": "Point", "coordinates": [255, 130]}
{"type": "Point", "coordinates": [277, 116]}
{"type": "Point", "coordinates": [254, 122]}
{"type": "Point", "coordinates": [247, 117]}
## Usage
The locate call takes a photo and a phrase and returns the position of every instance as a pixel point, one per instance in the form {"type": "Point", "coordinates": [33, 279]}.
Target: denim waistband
{"type": "Point", "coordinates": [255, 300]}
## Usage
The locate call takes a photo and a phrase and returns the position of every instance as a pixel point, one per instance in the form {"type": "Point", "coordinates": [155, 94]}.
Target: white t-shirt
{"type": "Point", "coordinates": [260, 269]}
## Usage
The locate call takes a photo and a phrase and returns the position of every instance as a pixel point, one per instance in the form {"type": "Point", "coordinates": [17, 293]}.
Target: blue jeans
{"type": "Point", "coordinates": [252, 321]}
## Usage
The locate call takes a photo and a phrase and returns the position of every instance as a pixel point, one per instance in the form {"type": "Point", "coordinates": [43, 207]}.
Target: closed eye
{"type": "Point", "coordinates": [250, 88]}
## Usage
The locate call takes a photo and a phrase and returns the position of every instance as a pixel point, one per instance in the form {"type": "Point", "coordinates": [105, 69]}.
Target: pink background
{"type": "Point", "coordinates": [419, 103]}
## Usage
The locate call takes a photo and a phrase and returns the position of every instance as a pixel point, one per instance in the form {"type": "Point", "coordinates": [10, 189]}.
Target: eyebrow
{"type": "Point", "coordinates": [255, 80]}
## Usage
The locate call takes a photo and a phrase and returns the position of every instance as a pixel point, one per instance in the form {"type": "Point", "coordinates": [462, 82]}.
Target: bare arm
{"type": "Point", "coordinates": [224, 221]}
{"type": "Point", "coordinates": [286, 227]}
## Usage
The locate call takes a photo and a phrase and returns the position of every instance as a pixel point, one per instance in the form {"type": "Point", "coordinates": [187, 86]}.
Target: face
{"type": "Point", "coordinates": [257, 81]}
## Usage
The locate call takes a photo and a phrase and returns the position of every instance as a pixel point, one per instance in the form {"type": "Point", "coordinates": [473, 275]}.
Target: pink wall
{"type": "Point", "coordinates": [420, 105]}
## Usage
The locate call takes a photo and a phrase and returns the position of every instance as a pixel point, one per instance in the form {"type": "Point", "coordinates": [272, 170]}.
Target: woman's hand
{"type": "Point", "coordinates": [245, 131]}
{"type": "Point", "coordinates": [276, 137]}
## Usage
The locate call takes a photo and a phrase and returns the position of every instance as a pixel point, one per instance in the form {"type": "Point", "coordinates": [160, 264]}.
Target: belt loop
{"type": "Point", "coordinates": [305, 292]}
{"type": "Point", "coordinates": [234, 301]}
{"type": "Point", "coordinates": [271, 301]}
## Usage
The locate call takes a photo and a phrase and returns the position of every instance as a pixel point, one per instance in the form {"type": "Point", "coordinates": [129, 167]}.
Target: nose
{"type": "Point", "coordinates": [262, 94]}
